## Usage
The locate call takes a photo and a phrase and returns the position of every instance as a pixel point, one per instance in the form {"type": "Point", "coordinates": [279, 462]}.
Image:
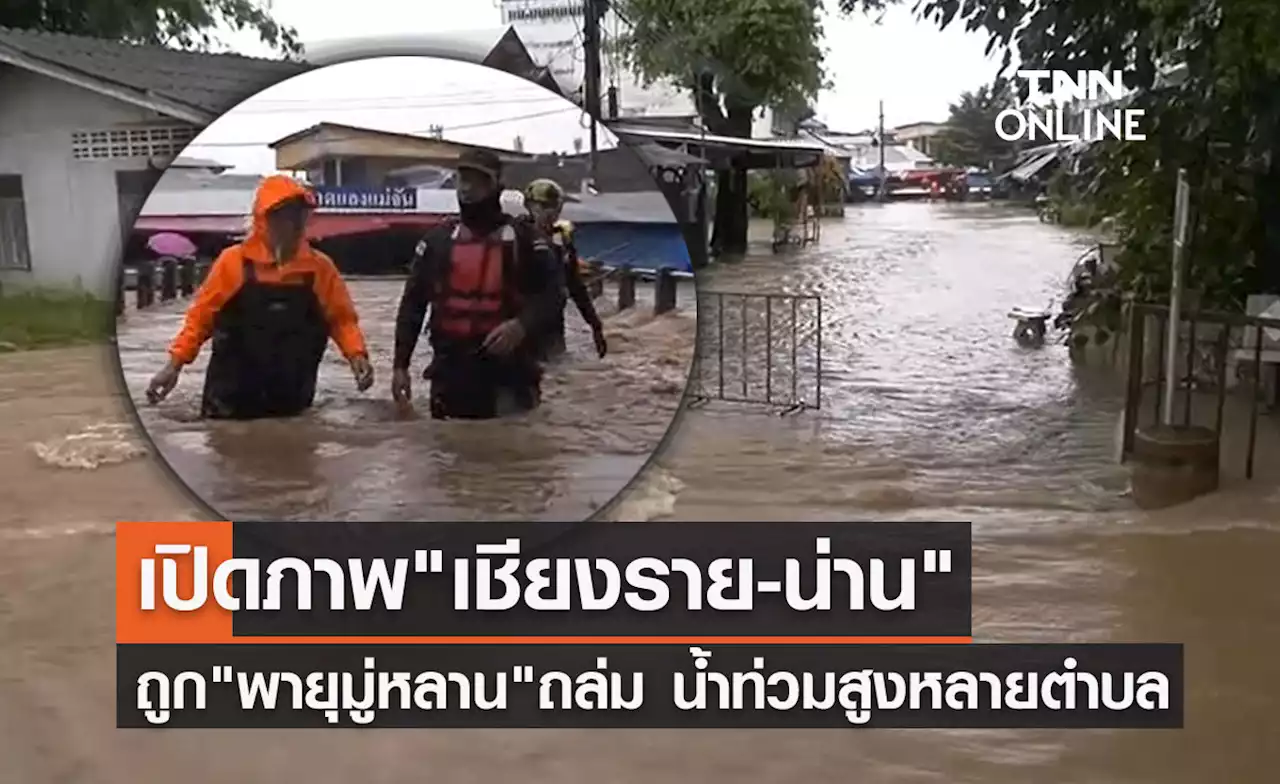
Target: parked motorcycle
{"type": "Point", "coordinates": [1032, 328]}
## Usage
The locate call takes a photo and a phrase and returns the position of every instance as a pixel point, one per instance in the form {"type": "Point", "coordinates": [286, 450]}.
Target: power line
{"type": "Point", "coordinates": [467, 126]}
{"type": "Point", "coordinates": [561, 110]}
{"type": "Point", "coordinates": [459, 93]}
{"type": "Point", "coordinates": [316, 106]}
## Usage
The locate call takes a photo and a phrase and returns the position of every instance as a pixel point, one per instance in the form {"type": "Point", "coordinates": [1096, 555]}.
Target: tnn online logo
{"type": "Point", "coordinates": [1063, 120]}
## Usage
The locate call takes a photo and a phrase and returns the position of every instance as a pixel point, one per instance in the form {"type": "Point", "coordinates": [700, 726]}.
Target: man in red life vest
{"type": "Point", "coordinates": [491, 287]}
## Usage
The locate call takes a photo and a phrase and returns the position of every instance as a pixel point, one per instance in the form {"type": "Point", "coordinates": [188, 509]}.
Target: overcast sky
{"type": "Point", "coordinates": [914, 68]}
{"type": "Point", "coordinates": [403, 94]}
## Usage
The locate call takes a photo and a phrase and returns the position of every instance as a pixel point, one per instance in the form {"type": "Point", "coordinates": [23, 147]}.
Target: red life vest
{"type": "Point", "coordinates": [474, 295]}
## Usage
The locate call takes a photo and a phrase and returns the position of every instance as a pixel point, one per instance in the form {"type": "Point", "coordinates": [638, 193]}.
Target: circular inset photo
{"type": "Point", "coordinates": [408, 288]}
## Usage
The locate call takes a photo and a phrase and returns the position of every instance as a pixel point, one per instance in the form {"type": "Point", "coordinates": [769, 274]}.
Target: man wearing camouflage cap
{"type": "Point", "coordinates": [544, 199]}
{"type": "Point", "coordinates": [492, 288]}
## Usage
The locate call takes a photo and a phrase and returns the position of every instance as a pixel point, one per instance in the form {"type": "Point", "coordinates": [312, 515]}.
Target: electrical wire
{"type": "Point", "coordinates": [458, 93]}
{"type": "Point", "coordinates": [353, 106]}
{"type": "Point", "coordinates": [463, 127]}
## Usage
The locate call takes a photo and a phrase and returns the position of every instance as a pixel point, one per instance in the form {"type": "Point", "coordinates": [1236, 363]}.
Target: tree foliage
{"type": "Point", "coordinates": [1218, 117]}
{"type": "Point", "coordinates": [184, 24]}
{"type": "Point", "coordinates": [730, 54]}
{"type": "Point", "coordinates": [734, 57]}
{"type": "Point", "coordinates": [970, 138]}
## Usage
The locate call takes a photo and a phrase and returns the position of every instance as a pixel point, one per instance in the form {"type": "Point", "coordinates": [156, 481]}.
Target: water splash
{"type": "Point", "coordinates": [653, 496]}
{"type": "Point", "coordinates": [97, 445]}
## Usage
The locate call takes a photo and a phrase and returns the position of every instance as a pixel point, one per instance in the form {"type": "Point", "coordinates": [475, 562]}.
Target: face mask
{"type": "Point", "coordinates": [481, 215]}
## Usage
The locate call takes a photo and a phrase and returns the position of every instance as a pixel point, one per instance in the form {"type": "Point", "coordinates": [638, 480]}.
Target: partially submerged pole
{"type": "Point", "coordinates": [1173, 464]}
{"type": "Point", "coordinates": [880, 194]}
{"type": "Point", "coordinates": [1181, 208]}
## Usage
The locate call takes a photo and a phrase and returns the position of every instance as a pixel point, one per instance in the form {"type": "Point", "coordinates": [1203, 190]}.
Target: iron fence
{"type": "Point", "coordinates": [1214, 343]}
{"type": "Point", "coordinates": [758, 349]}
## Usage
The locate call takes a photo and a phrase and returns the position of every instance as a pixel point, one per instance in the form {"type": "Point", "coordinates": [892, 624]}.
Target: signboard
{"type": "Point", "coordinates": [405, 199]}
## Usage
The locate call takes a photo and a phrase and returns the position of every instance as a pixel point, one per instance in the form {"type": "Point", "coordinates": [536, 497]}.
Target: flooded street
{"type": "Point", "coordinates": [928, 406]}
{"type": "Point", "coordinates": [353, 458]}
{"type": "Point", "coordinates": [929, 412]}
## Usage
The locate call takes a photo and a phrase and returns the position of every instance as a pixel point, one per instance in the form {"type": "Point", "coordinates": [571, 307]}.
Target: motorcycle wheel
{"type": "Point", "coordinates": [1027, 336]}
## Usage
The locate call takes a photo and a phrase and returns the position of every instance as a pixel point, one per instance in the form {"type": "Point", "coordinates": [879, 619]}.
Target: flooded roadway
{"type": "Point", "coordinates": [929, 412]}
{"type": "Point", "coordinates": [354, 458]}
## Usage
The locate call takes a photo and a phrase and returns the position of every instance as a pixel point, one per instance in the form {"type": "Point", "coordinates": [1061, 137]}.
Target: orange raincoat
{"type": "Point", "coordinates": [227, 275]}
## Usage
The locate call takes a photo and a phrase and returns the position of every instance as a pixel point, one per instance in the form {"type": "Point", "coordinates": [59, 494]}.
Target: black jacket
{"type": "Point", "coordinates": [576, 286]}
{"type": "Point", "coordinates": [570, 273]}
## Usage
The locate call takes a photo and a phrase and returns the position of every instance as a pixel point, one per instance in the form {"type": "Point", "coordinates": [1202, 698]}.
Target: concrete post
{"type": "Point", "coordinates": [664, 292]}
{"type": "Point", "coordinates": [168, 279]}
{"type": "Point", "coordinates": [146, 282]}
{"type": "Point", "coordinates": [1173, 464]}
{"type": "Point", "coordinates": [626, 288]}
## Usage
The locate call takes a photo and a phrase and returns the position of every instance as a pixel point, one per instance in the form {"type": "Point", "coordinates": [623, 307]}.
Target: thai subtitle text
{"type": "Point", "coordinates": [498, 579]}
{"type": "Point", "coordinates": [357, 698]}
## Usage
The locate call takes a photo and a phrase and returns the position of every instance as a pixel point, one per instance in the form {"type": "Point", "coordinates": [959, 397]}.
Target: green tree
{"type": "Point", "coordinates": [184, 24]}
{"type": "Point", "coordinates": [1207, 76]}
{"type": "Point", "coordinates": [734, 57]}
{"type": "Point", "coordinates": [970, 138]}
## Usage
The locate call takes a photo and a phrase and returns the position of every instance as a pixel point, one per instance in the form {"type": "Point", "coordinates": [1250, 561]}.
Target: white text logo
{"type": "Point", "coordinates": [1080, 106]}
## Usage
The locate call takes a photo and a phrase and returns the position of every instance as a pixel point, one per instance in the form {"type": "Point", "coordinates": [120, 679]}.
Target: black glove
{"type": "Point", "coordinates": [597, 336]}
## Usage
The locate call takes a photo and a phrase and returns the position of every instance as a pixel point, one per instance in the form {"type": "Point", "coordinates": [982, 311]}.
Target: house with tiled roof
{"type": "Point", "coordinates": [86, 128]}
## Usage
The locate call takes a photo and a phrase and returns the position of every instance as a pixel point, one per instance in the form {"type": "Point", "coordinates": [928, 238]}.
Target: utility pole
{"type": "Point", "coordinates": [880, 193]}
{"type": "Point", "coordinates": [592, 10]}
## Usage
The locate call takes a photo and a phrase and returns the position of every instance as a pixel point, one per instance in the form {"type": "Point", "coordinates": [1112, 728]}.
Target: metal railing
{"type": "Point", "coordinates": [749, 345]}
{"type": "Point", "coordinates": [665, 285]}
{"type": "Point", "coordinates": [1204, 363]}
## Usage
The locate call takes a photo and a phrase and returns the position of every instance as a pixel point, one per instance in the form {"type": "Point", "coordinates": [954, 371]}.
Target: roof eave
{"type": "Point", "coordinates": [145, 100]}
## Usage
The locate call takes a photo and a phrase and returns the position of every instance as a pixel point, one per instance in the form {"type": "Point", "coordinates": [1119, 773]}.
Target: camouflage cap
{"type": "Point", "coordinates": [544, 191]}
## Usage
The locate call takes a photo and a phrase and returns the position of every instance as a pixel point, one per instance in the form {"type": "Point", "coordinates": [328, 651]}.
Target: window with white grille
{"type": "Point", "coordinates": [163, 141]}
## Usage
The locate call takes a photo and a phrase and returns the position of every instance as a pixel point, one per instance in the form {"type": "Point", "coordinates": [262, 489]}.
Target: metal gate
{"type": "Point", "coordinates": [760, 349]}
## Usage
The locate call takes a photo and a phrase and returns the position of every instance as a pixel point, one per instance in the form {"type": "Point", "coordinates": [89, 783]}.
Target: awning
{"type": "Point", "coordinates": [721, 150]}
{"type": "Point", "coordinates": [1032, 167]}
{"type": "Point", "coordinates": [201, 224]}
{"type": "Point", "coordinates": [657, 155]}
{"type": "Point", "coordinates": [321, 226]}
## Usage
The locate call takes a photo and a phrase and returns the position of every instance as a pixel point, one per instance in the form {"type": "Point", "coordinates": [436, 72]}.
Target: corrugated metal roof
{"type": "Point", "coordinates": [1031, 168]}
{"type": "Point", "coordinates": [212, 83]}
{"type": "Point", "coordinates": [345, 132]}
{"type": "Point", "coordinates": [636, 207]}
{"type": "Point", "coordinates": [707, 139]}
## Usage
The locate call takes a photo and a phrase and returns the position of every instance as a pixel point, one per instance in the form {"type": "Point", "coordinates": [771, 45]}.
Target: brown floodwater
{"type": "Point", "coordinates": [354, 458]}
{"type": "Point", "coordinates": [929, 412]}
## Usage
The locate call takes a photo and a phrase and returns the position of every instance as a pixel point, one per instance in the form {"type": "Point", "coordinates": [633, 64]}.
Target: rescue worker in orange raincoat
{"type": "Point", "coordinates": [270, 304]}
{"type": "Point", "coordinates": [491, 286]}
{"type": "Point", "coordinates": [544, 199]}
